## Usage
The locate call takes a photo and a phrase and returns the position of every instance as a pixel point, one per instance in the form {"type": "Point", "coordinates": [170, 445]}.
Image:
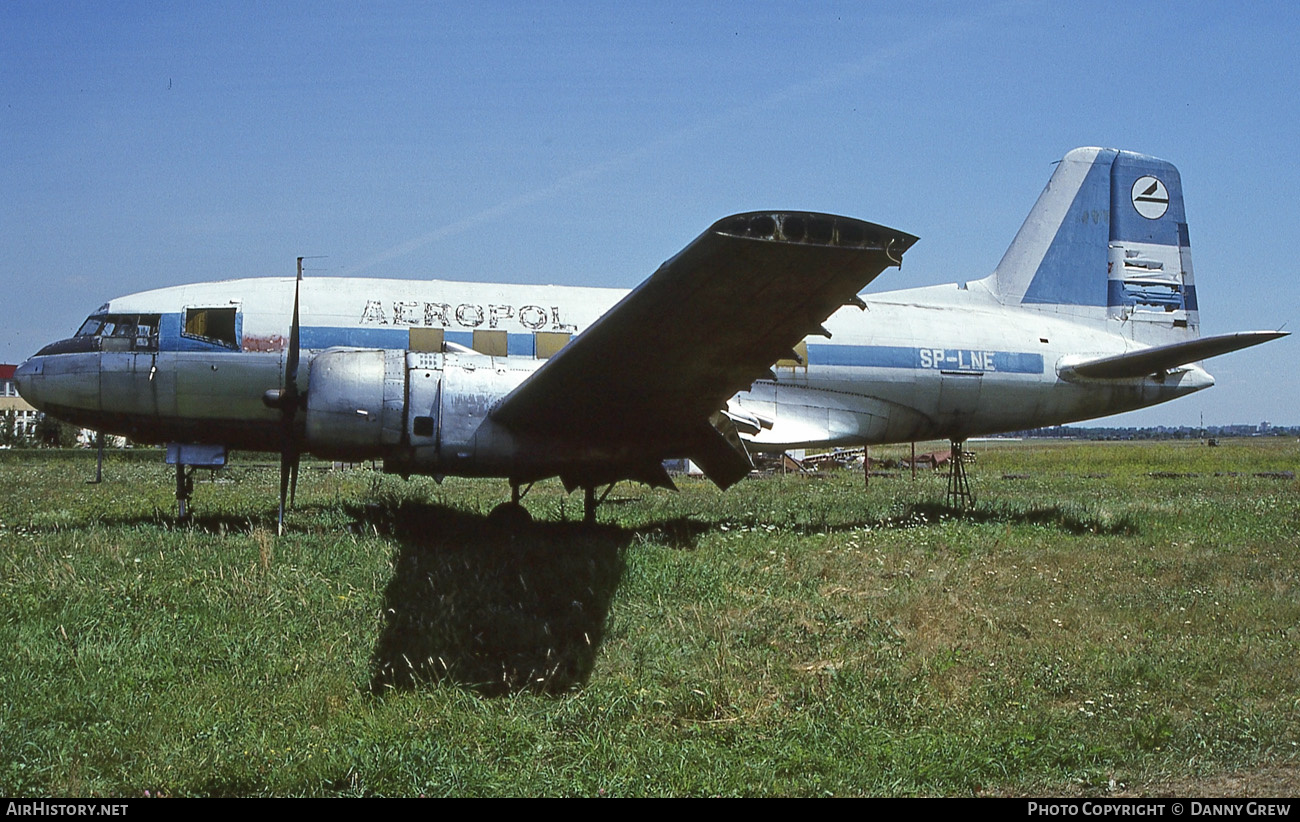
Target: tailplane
{"type": "Point", "coordinates": [1107, 241]}
{"type": "Point", "coordinates": [1161, 358]}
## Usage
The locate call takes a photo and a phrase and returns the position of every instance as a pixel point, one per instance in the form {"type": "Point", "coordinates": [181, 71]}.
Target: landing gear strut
{"type": "Point", "coordinates": [186, 458]}
{"type": "Point", "coordinates": [184, 488]}
{"type": "Point", "coordinates": [960, 495]}
{"type": "Point", "coordinates": [590, 503]}
{"type": "Point", "coordinates": [512, 514]}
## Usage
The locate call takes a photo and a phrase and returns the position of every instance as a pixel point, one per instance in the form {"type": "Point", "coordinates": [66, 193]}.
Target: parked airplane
{"type": "Point", "coordinates": [1092, 311]}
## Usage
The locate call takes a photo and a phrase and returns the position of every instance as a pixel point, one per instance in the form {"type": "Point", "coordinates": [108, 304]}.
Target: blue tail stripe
{"type": "Point", "coordinates": [1073, 271]}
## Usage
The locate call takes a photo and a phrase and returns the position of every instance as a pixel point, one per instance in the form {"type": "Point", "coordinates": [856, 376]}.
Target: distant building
{"type": "Point", "coordinates": [25, 416]}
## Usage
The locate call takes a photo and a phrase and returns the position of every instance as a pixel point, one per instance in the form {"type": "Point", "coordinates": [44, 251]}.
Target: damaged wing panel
{"type": "Point", "coordinates": [707, 324]}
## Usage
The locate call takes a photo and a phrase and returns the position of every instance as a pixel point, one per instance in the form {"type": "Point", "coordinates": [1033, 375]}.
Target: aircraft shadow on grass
{"type": "Point", "coordinates": [496, 609]}
{"type": "Point", "coordinates": [1068, 519]}
{"type": "Point", "coordinates": [1062, 518]}
{"type": "Point", "coordinates": [502, 610]}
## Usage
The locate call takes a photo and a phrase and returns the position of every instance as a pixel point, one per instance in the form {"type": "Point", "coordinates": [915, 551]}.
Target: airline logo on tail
{"type": "Point", "coordinates": [1150, 197]}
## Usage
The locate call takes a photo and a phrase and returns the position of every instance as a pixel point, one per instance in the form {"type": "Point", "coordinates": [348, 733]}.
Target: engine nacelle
{"type": "Point", "coordinates": [419, 412]}
{"type": "Point", "coordinates": [356, 402]}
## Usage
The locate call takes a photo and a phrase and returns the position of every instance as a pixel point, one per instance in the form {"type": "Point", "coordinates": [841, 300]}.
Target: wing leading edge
{"type": "Point", "coordinates": [645, 379]}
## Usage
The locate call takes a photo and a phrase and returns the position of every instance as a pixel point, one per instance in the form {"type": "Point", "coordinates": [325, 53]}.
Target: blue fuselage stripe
{"type": "Point", "coordinates": [318, 337]}
{"type": "Point", "coordinates": [930, 359]}
{"type": "Point", "coordinates": [866, 356]}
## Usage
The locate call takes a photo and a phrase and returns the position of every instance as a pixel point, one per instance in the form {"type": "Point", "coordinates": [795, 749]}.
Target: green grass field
{"type": "Point", "coordinates": [1110, 617]}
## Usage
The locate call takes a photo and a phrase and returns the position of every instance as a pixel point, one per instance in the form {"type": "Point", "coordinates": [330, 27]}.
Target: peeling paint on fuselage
{"type": "Point", "coordinates": [270, 342]}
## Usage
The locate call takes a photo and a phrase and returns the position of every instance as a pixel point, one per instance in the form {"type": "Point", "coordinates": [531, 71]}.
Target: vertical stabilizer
{"type": "Point", "coordinates": [1107, 241]}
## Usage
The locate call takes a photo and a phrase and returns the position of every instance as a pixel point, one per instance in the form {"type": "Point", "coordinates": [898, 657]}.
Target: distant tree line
{"type": "Point", "coordinates": [1158, 432]}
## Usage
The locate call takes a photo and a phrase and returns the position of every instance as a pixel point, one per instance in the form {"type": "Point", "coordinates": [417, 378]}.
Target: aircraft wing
{"type": "Point", "coordinates": [1159, 358]}
{"type": "Point", "coordinates": [647, 376]}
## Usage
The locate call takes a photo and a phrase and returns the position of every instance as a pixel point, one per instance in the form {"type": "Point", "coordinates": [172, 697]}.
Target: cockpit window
{"type": "Point", "coordinates": [212, 324]}
{"type": "Point", "coordinates": [125, 332]}
{"type": "Point", "coordinates": [90, 327]}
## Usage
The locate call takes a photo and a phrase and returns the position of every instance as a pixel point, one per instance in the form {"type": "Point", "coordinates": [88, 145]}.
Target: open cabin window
{"type": "Point", "coordinates": [214, 325]}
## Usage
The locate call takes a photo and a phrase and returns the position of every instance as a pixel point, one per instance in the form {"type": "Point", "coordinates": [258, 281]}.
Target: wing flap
{"type": "Point", "coordinates": [1164, 357]}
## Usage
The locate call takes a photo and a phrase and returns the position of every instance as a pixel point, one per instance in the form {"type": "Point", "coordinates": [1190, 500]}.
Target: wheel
{"type": "Point", "coordinates": [510, 516]}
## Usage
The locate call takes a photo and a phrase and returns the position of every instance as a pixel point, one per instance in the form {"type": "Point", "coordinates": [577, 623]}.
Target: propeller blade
{"type": "Point", "coordinates": [291, 361]}
{"type": "Point", "coordinates": [288, 467]}
{"type": "Point", "coordinates": [288, 400]}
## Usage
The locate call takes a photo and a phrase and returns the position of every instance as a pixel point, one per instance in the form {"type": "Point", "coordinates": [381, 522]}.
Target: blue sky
{"type": "Point", "coordinates": [144, 145]}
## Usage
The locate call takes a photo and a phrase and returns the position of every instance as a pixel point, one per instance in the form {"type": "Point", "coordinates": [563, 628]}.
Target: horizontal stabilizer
{"type": "Point", "coordinates": [1164, 357]}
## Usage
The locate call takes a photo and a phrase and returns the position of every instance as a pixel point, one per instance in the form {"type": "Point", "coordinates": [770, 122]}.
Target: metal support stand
{"type": "Point", "coordinates": [866, 468]}
{"type": "Point", "coordinates": [99, 459]}
{"type": "Point", "coordinates": [960, 496]}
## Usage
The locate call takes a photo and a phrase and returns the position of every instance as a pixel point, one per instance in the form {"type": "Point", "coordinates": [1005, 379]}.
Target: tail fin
{"type": "Point", "coordinates": [1107, 240]}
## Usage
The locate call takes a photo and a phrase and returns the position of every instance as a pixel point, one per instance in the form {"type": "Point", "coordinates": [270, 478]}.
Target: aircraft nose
{"type": "Point", "coordinates": [25, 378]}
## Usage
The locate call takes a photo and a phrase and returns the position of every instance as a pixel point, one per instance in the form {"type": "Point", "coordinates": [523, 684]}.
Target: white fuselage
{"type": "Point", "coordinates": [944, 361]}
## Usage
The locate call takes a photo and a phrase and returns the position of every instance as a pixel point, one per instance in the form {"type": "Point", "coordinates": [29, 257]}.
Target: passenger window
{"type": "Point", "coordinates": [215, 325]}
{"type": "Point", "coordinates": [425, 339]}
{"type": "Point", "coordinates": [492, 343]}
{"type": "Point", "coordinates": [548, 343]}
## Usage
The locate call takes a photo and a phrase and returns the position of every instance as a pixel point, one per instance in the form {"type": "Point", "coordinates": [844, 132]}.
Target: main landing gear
{"type": "Point", "coordinates": [187, 458]}
{"type": "Point", "coordinates": [512, 514]}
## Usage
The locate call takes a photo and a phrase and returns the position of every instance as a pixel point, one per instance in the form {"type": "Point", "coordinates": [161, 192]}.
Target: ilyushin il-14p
{"type": "Point", "coordinates": [752, 339]}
